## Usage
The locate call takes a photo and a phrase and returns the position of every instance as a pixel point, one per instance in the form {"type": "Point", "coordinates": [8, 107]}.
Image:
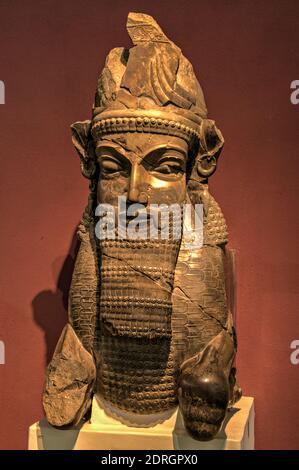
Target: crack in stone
{"type": "Point", "coordinates": [171, 291]}
{"type": "Point", "coordinates": [186, 296]}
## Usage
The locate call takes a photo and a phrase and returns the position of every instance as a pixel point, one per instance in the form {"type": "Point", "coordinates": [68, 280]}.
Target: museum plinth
{"type": "Point", "coordinates": [103, 432]}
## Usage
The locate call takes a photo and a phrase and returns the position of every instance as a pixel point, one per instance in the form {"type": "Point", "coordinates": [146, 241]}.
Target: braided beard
{"type": "Point", "coordinates": [136, 364]}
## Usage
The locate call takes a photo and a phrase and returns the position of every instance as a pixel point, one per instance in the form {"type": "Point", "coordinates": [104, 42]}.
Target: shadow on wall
{"type": "Point", "coordinates": [50, 308]}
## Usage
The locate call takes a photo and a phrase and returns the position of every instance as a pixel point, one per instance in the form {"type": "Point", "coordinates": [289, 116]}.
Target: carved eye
{"type": "Point", "coordinates": [109, 165]}
{"type": "Point", "coordinates": [170, 166]}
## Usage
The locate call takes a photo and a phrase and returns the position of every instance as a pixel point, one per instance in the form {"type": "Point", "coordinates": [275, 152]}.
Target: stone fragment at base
{"type": "Point", "coordinates": [103, 432]}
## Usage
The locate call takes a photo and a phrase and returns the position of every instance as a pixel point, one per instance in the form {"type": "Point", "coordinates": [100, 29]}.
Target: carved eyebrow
{"type": "Point", "coordinates": [116, 149]}
{"type": "Point", "coordinates": [169, 156]}
{"type": "Point", "coordinates": [165, 148]}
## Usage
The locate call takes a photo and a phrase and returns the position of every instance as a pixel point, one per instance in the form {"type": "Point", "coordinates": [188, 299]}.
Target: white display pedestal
{"type": "Point", "coordinates": [106, 433]}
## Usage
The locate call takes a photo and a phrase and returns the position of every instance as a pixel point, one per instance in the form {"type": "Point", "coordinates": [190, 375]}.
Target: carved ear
{"type": "Point", "coordinates": [211, 143]}
{"type": "Point", "coordinates": [82, 140]}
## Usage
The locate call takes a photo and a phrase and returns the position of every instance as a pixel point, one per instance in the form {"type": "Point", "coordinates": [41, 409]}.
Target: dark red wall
{"type": "Point", "coordinates": [245, 54]}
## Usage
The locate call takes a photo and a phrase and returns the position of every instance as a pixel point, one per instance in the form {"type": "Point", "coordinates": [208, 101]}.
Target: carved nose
{"type": "Point", "coordinates": [135, 193]}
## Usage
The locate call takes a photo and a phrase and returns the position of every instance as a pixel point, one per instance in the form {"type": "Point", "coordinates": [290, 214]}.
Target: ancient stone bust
{"type": "Point", "coordinates": [149, 324]}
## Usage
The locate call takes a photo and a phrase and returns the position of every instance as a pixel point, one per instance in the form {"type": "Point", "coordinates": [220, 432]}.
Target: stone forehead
{"type": "Point", "coordinates": [140, 144]}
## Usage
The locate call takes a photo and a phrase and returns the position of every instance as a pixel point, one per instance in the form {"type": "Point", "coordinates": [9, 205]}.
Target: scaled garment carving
{"type": "Point", "coordinates": [149, 324]}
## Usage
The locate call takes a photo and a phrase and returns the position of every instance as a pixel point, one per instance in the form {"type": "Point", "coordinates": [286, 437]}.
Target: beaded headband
{"type": "Point", "coordinates": [151, 121]}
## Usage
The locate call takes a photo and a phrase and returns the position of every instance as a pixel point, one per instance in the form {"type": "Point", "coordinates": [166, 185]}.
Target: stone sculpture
{"type": "Point", "coordinates": [149, 324]}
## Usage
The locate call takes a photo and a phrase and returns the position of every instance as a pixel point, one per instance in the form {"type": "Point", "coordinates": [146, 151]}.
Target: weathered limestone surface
{"type": "Point", "coordinates": [70, 378]}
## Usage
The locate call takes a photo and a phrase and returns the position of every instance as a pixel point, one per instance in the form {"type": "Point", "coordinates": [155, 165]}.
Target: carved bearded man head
{"type": "Point", "coordinates": [149, 326]}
